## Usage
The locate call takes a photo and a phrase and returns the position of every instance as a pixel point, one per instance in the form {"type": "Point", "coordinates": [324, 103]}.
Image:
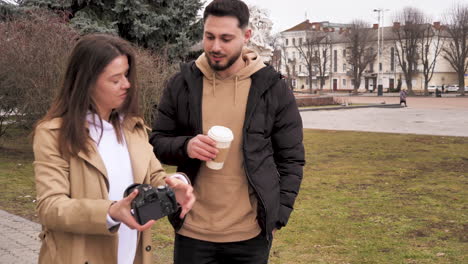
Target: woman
{"type": "Point", "coordinates": [88, 148]}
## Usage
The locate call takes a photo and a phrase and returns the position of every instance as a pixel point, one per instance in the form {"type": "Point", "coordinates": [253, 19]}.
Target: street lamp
{"type": "Point", "coordinates": [380, 40]}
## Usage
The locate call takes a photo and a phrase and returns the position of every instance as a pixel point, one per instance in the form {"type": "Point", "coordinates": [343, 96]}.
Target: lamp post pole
{"type": "Point", "coordinates": [380, 40]}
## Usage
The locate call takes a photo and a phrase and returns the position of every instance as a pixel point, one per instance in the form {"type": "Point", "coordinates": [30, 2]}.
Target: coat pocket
{"type": "Point", "coordinates": [48, 252]}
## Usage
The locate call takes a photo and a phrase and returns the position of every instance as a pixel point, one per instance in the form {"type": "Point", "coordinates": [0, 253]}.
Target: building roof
{"type": "Point", "coordinates": [305, 25]}
{"type": "Point", "coordinates": [316, 26]}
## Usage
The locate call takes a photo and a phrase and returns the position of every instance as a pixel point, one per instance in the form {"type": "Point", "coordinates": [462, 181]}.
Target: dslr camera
{"type": "Point", "coordinates": [151, 202]}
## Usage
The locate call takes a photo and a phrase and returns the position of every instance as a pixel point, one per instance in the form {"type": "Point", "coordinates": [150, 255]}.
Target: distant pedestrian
{"type": "Point", "coordinates": [403, 95]}
{"type": "Point", "coordinates": [438, 93]}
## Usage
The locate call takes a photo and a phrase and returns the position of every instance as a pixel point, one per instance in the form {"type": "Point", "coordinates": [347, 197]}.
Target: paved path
{"type": "Point", "coordinates": [19, 242]}
{"type": "Point", "coordinates": [428, 116]}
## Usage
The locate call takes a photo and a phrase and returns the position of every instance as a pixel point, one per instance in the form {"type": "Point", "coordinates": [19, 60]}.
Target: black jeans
{"type": "Point", "coordinates": [193, 251]}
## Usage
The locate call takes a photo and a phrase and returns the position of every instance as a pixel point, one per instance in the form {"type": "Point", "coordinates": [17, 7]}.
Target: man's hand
{"type": "Point", "coordinates": [184, 194]}
{"type": "Point", "coordinates": [120, 211]}
{"type": "Point", "coordinates": [202, 147]}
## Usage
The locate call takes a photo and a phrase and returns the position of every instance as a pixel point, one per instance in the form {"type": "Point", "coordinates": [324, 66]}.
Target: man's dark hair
{"type": "Point", "coordinates": [234, 8]}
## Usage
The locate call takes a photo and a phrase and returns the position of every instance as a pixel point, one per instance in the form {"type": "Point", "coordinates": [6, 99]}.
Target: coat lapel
{"type": "Point", "coordinates": [139, 151]}
{"type": "Point", "coordinates": [95, 160]}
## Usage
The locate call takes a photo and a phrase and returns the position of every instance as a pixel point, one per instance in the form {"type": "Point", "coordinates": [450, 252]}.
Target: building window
{"type": "Point", "coordinates": [344, 83]}
{"type": "Point", "coordinates": [371, 67]}
{"type": "Point", "coordinates": [344, 67]}
{"type": "Point", "coordinates": [344, 53]}
{"type": "Point", "coordinates": [287, 42]}
{"type": "Point", "coordinates": [392, 59]}
{"type": "Point", "coordinates": [294, 41]}
{"type": "Point", "coordinates": [300, 68]}
{"type": "Point", "coordinates": [380, 67]}
{"type": "Point", "coordinates": [335, 61]}
{"type": "Point", "coordinates": [300, 41]}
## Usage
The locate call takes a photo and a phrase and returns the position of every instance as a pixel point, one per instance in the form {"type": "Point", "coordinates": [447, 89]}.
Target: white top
{"type": "Point", "coordinates": [119, 172]}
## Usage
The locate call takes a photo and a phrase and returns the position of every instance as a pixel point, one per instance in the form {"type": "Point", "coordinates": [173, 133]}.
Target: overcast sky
{"type": "Point", "coordinates": [287, 13]}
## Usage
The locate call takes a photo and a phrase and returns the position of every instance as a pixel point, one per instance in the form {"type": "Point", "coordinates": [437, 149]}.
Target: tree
{"type": "Point", "coordinates": [261, 26]}
{"type": "Point", "coordinates": [9, 10]}
{"type": "Point", "coordinates": [157, 25]}
{"type": "Point", "coordinates": [431, 43]}
{"type": "Point", "coordinates": [456, 50]}
{"type": "Point", "coordinates": [314, 51]}
{"type": "Point", "coordinates": [406, 40]}
{"type": "Point", "coordinates": [274, 41]}
{"type": "Point", "coordinates": [286, 61]}
{"type": "Point", "coordinates": [361, 54]}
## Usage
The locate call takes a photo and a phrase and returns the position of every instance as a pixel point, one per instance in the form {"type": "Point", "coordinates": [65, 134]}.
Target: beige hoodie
{"type": "Point", "coordinates": [226, 208]}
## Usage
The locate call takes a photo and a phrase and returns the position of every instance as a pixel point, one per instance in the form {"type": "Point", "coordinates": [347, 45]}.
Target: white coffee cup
{"type": "Point", "coordinates": [223, 137]}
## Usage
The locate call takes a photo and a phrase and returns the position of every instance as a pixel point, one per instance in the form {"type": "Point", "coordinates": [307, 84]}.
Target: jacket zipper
{"type": "Point", "coordinates": [256, 191]}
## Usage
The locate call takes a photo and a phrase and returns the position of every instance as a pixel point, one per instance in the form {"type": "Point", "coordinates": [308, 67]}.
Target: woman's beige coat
{"type": "Point", "coordinates": [73, 200]}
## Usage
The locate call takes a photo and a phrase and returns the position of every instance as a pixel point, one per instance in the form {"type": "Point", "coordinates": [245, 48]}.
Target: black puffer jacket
{"type": "Point", "coordinates": [272, 139]}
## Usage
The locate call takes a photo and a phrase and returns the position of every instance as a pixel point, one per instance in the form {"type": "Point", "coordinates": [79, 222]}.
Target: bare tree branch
{"type": "Point", "coordinates": [407, 32]}
{"type": "Point", "coordinates": [456, 52]}
{"type": "Point", "coordinates": [431, 44]}
{"type": "Point", "coordinates": [314, 51]}
{"type": "Point", "coordinates": [361, 53]}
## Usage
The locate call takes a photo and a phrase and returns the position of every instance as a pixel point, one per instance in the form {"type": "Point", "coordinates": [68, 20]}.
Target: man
{"type": "Point", "coordinates": [239, 207]}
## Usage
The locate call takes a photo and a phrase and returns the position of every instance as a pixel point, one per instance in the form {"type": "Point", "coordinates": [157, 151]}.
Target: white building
{"type": "Point", "coordinates": [338, 75]}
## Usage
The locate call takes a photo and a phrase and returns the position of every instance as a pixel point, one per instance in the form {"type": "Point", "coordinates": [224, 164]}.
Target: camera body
{"type": "Point", "coordinates": [151, 202]}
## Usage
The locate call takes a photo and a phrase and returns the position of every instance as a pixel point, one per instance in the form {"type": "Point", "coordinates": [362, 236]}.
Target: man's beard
{"type": "Point", "coordinates": [230, 62]}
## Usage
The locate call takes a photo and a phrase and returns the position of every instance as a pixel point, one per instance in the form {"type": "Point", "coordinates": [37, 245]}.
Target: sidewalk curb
{"type": "Point", "coordinates": [351, 107]}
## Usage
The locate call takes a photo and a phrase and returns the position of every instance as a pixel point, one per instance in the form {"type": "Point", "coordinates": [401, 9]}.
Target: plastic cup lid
{"type": "Point", "coordinates": [220, 133]}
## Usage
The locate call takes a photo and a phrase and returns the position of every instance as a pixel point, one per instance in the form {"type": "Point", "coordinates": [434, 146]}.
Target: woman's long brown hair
{"type": "Point", "coordinates": [88, 60]}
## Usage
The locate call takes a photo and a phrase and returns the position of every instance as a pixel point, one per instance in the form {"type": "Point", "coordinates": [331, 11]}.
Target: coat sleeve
{"type": "Point", "coordinates": [287, 137]}
{"type": "Point", "coordinates": [56, 209]}
{"type": "Point", "coordinates": [169, 146]}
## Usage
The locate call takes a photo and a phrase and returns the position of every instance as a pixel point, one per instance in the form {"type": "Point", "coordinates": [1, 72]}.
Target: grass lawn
{"type": "Point", "coordinates": [365, 198]}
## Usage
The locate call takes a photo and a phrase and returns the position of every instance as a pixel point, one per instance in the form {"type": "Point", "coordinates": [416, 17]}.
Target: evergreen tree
{"type": "Point", "coordinates": [154, 24]}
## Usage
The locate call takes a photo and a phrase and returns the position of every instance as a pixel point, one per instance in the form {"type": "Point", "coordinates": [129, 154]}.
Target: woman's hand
{"type": "Point", "coordinates": [120, 211]}
{"type": "Point", "coordinates": [184, 194]}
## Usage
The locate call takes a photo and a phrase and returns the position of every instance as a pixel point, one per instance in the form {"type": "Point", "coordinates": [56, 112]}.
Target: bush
{"type": "Point", "coordinates": [34, 55]}
{"type": "Point", "coordinates": [35, 50]}
{"type": "Point", "coordinates": [153, 71]}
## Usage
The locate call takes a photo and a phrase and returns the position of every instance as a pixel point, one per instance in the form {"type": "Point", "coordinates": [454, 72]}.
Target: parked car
{"type": "Point", "coordinates": [432, 88]}
{"type": "Point", "coordinates": [451, 88]}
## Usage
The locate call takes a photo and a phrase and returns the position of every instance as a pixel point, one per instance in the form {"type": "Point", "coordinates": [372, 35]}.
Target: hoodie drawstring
{"type": "Point", "coordinates": [235, 90]}
{"type": "Point", "coordinates": [214, 84]}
